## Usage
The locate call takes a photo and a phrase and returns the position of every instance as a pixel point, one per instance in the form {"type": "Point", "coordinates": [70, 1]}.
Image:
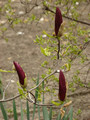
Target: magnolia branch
{"type": "Point", "coordinates": [40, 104]}
{"type": "Point", "coordinates": [5, 89]}
{"type": "Point", "coordinates": [56, 71]}
{"type": "Point", "coordinates": [79, 21]}
{"type": "Point", "coordinates": [18, 95]}
{"type": "Point", "coordinates": [34, 101]}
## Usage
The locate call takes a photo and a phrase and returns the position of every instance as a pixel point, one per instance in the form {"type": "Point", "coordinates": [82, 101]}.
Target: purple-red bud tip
{"type": "Point", "coordinates": [58, 20]}
{"type": "Point", "coordinates": [62, 86]}
{"type": "Point", "coordinates": [20, 73]}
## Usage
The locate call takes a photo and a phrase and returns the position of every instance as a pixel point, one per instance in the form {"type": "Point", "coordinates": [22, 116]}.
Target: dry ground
{"type": "Point", "coordinates": [21, 48]}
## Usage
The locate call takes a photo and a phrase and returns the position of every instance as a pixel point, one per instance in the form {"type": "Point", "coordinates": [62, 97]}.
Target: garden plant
{"type": "Point", "coordinates": [62, 76]}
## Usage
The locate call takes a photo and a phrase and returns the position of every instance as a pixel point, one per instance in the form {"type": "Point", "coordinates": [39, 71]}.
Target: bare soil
{"type": "Point", "coordinates": [21, 48]}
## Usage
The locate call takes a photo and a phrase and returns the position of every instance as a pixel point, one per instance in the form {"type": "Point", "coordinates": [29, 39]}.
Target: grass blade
{"type": "Point", "coordinates": [69, 115]}
{"type": "Point", "coordinates": [4, 112]}
{"type": "Point", "coordinates": [21, 111]}
{"type": "Point", "coordinates": [58, 117]}
{"type": "Point", "coordinates": [45, 113]}
{"type": "Point", "coordinates": [14, 110]}
{"type": "Point", "coordinates": [36, 96]}
{"type": "Point", "coordinates": [1, 88]}
{"type": "Point", "coordinates": [43, 90]}
{"type": "Point", "coordinates": [28, 116]}
{"type": "Point", "coordinates": [38, 111]}
{"type": "Point", "coordinates": [50, 114]}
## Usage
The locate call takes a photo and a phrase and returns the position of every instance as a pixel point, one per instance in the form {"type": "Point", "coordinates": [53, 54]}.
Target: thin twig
{"type": "Point", "coordinates": [18, 95]}
{"type": "Point", "coordinates": [5, 90]}
{"type": "Point", "coordinates": [10, 99]}
{"type": "Point", "coordinates": [79, 21]}
{"type": "Point", "coordinates": [34, 101]}
{"type": "Point", "coordinates": [43, 80]}
{"type": "Point", "coordinates": [39, 104]}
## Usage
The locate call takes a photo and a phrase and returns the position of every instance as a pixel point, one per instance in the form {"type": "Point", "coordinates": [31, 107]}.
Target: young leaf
{"type": "Point", "coordinates": [14, 110]}
{"type": "Point", "coordinates": [45, 51]}
{"type": "Point", "coordinates": [56, 103]}
{"type": "Point", "coordinates": [8, 71]}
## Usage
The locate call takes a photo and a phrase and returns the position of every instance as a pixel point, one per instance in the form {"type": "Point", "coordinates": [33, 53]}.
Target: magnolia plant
{"type": "Point", "coordinates": [62, 86]}
{"type": "Point", "coordinates": [23, 81]}
{"type": "Point", "coordinates": [28, 93]}
{"type": "Point", "coordinates": [21, 75]}
{"type": "Point", "coordinates": [59, 27]}
{"type": "Point", "coordinates": [58, 22]}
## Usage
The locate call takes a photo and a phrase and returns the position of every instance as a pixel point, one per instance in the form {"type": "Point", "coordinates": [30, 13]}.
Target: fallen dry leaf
{"type": "Point", "coordinates": [67, 104]}
{"type": "Point", "coordinates": [62, 113]}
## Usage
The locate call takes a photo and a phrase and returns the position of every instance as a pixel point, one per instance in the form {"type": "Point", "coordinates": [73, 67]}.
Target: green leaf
{"type": "Point", "coordinates": [43, 90]}
{"type": "Point", "coordinates": [50, 114]}
{"type": "Point", "coordinates": [45, 51]}
{"type": "Point", "coordinates": [56, 103]}
{"type": "Point", "coordinates": [45, 63]}
{"type": "Point", "coordinates": [21, 111]}
{"type": "Point", "coordinates": [69, 115]}
{"type": "Point", "coordinates": [1, 87]}
{"type": "Point", "coordinates": [36, 96]}
{"type": "Point", "coordinates": [28, 116]}
{"type": "Point", "coordinates": [4, 112]}
{"type": "Point", "coordinates": [45, 113]}
{"type": "Point", "coordinates": [58, 117]}
{"type": "Point", "coordinates": [20, 91]}
{"type": "Point", "coordinates": [6, 71]}
{"type": "Point", "coordinates": [14, 110]}
{"type": "Point", "coordinates": [50, 36]}
{"type": "Point", "coordinates": [38, 111]}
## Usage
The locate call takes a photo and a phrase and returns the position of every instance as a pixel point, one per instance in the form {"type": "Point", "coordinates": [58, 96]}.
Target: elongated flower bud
{"type": "Point", "coordinates": [21, 75]}
{"type": "Point", "coordinates": [62, 86]}
{"type": "Point", "coordinates": [58, 20]}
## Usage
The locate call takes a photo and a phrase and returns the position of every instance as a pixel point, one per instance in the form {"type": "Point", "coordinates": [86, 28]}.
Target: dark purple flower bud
{"type": "Point", "coordinates": [62, 86]}
{"type": "Point", "coordinates": [21, 75]}
{"type": "Point", "coordinates": [58, 20]}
